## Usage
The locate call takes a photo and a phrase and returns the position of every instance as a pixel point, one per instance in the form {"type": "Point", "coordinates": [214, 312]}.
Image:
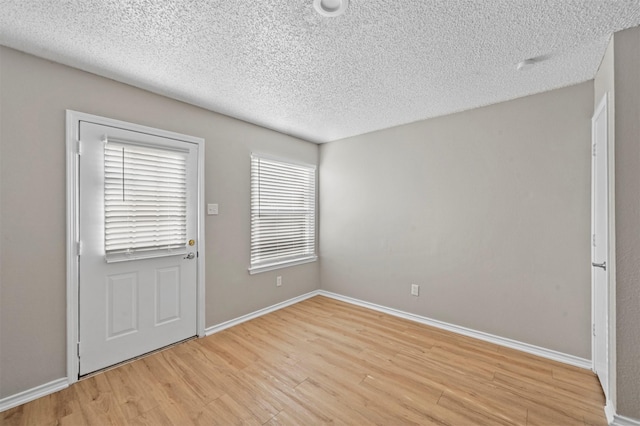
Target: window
{"type": "Point", "coordinates": [145, 201]}
{"type": "Point", "coordinates": [283, 214]}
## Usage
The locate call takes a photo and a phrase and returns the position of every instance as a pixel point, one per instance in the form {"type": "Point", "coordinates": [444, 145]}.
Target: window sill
{"type": "Point", "coordinates": [124, 257]}
{"type": "Point", "coordinates": [278, 265]}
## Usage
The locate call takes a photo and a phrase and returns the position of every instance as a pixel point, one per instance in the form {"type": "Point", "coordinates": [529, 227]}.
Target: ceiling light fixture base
{"type": "Point", "coordinates": [330, 8]}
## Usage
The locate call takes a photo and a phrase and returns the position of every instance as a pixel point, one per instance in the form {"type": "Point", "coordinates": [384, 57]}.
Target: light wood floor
{"type": "Point", "coordinates": [323, 361]}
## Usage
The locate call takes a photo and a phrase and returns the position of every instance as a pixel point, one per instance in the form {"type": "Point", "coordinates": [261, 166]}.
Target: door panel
{"type": "Point", "coordinates": [167, 295]}
{"type": "Point", "coordinates": [144, 299]}
{"type": "Point", "coordinates": [122, 305]}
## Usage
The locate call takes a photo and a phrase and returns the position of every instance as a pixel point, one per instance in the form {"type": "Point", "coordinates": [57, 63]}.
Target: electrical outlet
{"type": "Point", "coordinates": [278, 281]}
{"type": "Point", "coordinates": [415, 290]}
{"type": "Point", "coordinates": [212, 209]}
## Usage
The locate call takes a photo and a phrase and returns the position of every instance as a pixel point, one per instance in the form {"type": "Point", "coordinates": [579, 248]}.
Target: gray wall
{"type": "Point", "coordinates": [627, 219]}
{"type": "Point", "coordinates": [487, 210]}
{"type": "Point", "coordinates": [34, 96]}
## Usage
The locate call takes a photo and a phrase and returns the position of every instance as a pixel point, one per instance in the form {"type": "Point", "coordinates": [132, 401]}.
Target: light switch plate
{"type": "Point", "coordinates": [212, 209]}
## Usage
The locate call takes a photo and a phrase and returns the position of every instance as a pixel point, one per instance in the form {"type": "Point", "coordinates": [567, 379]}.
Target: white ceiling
{"type": "Point", "coordinates": [280, 64]}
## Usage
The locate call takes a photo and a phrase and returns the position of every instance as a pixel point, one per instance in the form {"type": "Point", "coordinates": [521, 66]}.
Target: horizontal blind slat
{"type": "Point", "coordinates": [282, 211]}
{"type": "Point", "coordinates": [145, 198]}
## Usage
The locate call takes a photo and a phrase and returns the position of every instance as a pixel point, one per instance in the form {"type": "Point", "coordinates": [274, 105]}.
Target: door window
{"type": "Point", "coordinates": [145, 201]}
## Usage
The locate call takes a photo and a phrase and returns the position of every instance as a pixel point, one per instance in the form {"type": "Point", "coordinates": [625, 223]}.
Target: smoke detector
{"type": "Point", "coordinates": [330, 8]}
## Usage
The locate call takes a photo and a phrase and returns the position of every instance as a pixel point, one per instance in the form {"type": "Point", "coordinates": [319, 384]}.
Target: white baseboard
{"type": "Point", "coordinates": [614, 419]}
{"type": "Point", "coordinates": [227, 324]}
{"type": "Point", "coordinates": [33, 393]}
{"type": "Point", "coordinates": [619, 420]}
{"type": "Point", "coordinates": [513, 344]}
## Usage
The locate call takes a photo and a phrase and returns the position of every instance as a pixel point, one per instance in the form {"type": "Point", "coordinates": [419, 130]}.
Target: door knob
{"type": "Point", "coordinates": [190, 256]}
{"type": "Point", "coordinates": [602, 265]}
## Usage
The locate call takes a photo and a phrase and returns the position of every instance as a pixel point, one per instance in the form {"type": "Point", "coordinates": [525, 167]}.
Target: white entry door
{"type": "Point", "coordinates": [600, 245]}
{"type": "Point", "coordinates": [138, 247]}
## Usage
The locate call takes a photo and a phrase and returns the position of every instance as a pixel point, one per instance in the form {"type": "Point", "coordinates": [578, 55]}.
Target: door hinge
{"type": "Point", "coordinates": [79, 247]}
{"type": "Point", "coordinates": [79, 147]}
{"type": "Point", "coordinates": [593, 240]}
{"type": "Point", "coordinates": [593, 329]}
{"type": "Point", "coordinates": [593, 150]}
{"type": "Point", "coordinates": [78, 347]}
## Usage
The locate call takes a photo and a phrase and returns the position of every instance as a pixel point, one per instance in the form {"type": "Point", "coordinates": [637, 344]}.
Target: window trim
{"type": "Point", "coordinates": [277, 263]}
{"type": "Point", "coordinates": [280, 265]}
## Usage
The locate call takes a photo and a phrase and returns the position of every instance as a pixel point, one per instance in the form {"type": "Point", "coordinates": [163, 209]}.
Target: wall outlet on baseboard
{"type": "Point", "coordinates": [278, 281]}
{"type": "Point", "coordinates": [415, 290]}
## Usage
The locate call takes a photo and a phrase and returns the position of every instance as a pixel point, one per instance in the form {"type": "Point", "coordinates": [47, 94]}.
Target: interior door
{"type": "Point", "coordinates": [137, 229]}
{"type": "Point", "coordinates": [600, 246]}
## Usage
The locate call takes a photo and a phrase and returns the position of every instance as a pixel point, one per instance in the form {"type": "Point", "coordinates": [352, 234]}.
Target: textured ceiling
{"type": "Point", "coordinates": [279, 64]}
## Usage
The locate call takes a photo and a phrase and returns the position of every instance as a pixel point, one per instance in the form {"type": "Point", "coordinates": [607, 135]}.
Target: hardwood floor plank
{"type": "Point", "coordinates": [545, 417]}
{"type": "Point", "coordinates": [244, 394]}
{"type": "Point", "coordinates": [129, 393]}
{"type": "Point", "coordinates": [331, 404]}
{"type": "Point", "coordinates": [154, 417]}
{"type": "Point", "coordinates": [483, 411]}
{"type": "Point", "coordinates": [397, 379]}
{"type": "Point", "coordinates": [229, 412]}
{"type": "Point", "coordinates": [97, 401]}
{"type": "Point", "coordinates": [323, 361]}
{"type": "Point", "coordinates": [202, 382]}
{"type": "Point", "coordinates": [546, 398]}
{"type": "Point", "coordinates": [591, 419]}
{"type": "Point", "coordinates": [583, 382]}
{"type": "Point", "coordinates": [285, 419]}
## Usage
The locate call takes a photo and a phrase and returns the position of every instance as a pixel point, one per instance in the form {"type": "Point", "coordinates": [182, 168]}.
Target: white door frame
{"type": "Point", "coordinates": [601, 109]}
{"type": "Point", "coordinates": [72, 232]}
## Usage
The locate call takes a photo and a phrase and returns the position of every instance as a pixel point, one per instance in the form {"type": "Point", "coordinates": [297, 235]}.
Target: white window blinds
{"type": "Point", "coordinates": [283, 213]}
{"type": "Point", "coordinates": [145, 201]}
